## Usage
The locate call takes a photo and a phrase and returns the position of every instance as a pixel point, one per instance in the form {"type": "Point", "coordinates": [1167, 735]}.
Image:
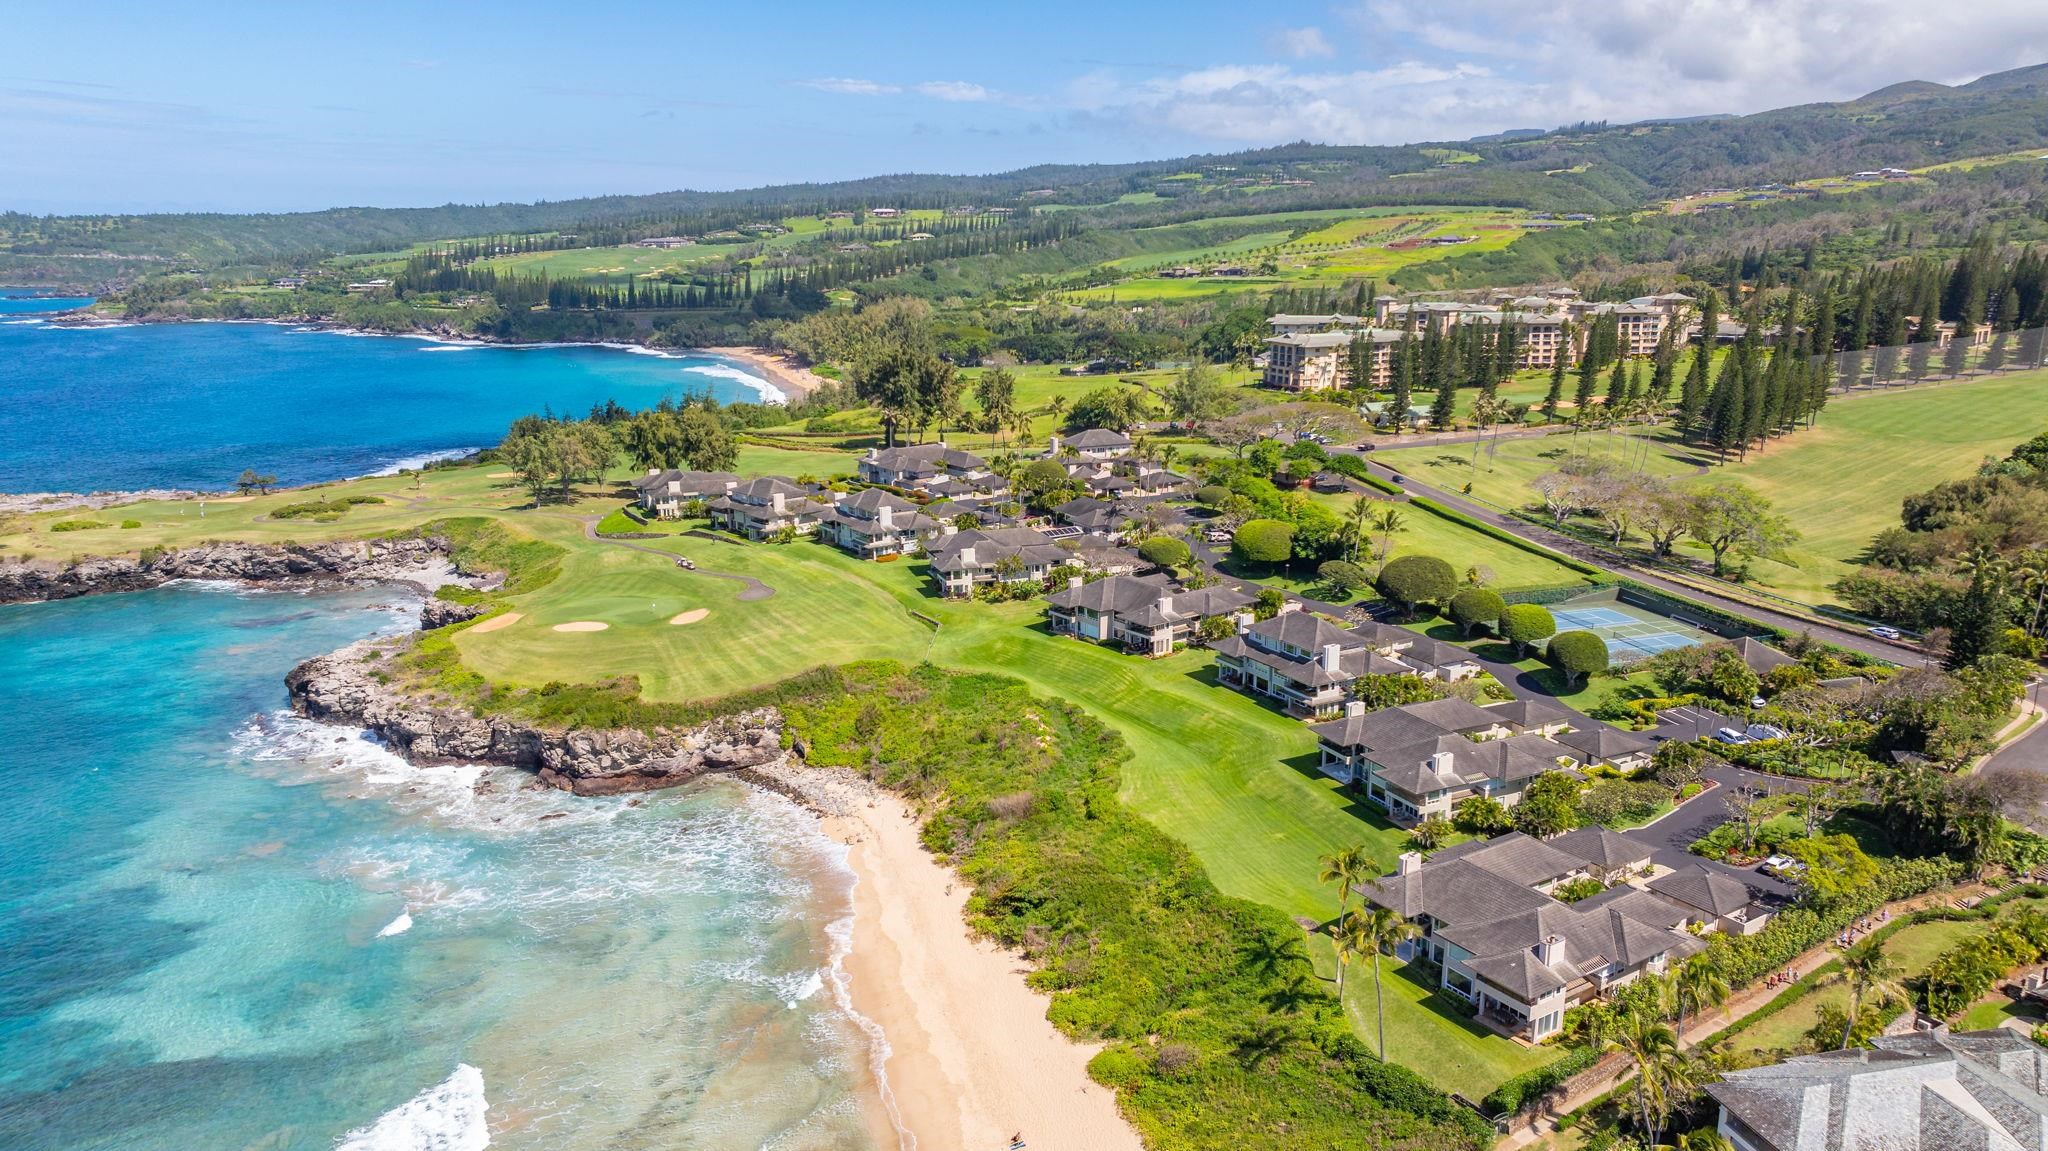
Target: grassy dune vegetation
{"type": "Point", "coordinates": [1840, 483]}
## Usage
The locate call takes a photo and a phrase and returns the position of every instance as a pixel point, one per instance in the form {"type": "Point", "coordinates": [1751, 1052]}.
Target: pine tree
{"type": "Point", "coordinates": [1726, 417]}
{"type": "Point", "coordinates": [1582, 399]}
{"type": "Point", "coordinates": [1556, 392]}
{"type": "Point", "coordinates": [1693, 399]}
{"type": "Point", "coordinates": [1617, 392]}
{"type": "Point", "coordinates": [1443, 411]}
{"type": "Point", "coordinates": [1663, 368]}
{"type": "Point", "coordinates": [1404, 380]}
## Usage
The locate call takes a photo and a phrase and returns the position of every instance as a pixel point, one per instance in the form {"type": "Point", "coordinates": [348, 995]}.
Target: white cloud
{"type": "Point", "coordinates": [847, 86]}
{"type": "Point", "coordinates": [955, 91]}
{"type": "Point", "coordinates": [1468, 67]}
{"type": "Point", "coordinates": [1302, 43]}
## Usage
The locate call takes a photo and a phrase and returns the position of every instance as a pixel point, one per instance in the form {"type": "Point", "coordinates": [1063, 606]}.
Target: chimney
{"type": "Point", "coordinates": [1411, 862]}
{"type": "Point", "coordinates": [1550, 951]}
{"type": "Point", "coordinates": [1053, 446]}
{"type": "Point", "coordinates": [1333, 654]}
{"type": "Point", "coordinates": [1441, 762]}
{"type": "Point", "coordinates": [1290, 605]}
{"type": "Point", "coordinates": [886, 516]}
{"type": "Point", "coordinates": [946, 528]}
{"type": "Point", "coordinates": [873, 455]}
{"type": "Point", "coordinates": [775, 502]}
{"type": "Point", "coordinates": [1354, 707]}
{"type": "Point", "coordinates": [1074, 582]}
{"type": "Point", "coordinates": [1166, 604]}
{"type": "Point", "coordinates": [967, 556]}
{"type": "Point", "coordinates": [653, 471]}
{"type": "Point", "coordinates": [1244, 622]}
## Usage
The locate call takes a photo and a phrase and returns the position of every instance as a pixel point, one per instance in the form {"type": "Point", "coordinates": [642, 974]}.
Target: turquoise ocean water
{"type": "Point", "coordinates": [222, 927]}
{"type": "Point", "coordinates": [191, 405]}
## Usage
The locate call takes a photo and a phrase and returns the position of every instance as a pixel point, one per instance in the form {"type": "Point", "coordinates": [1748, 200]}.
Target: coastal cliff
{"type": "Point", "coordinates": [349, 686]}
{"type": "Point", "coordinates": [422, 561]}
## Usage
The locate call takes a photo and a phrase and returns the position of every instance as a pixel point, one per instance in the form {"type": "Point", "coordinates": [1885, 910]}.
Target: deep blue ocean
{"type": "Point", "coordinates": [192, 405]}
{"type": "Point", "coordinates": [222, 927]}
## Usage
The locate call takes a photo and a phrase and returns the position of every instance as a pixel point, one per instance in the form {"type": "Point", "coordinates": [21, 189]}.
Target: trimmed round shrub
{"type": "Point", "coordinates": [1212, 495]}
{"type": "Point", "coordinates": [1477, 607]}
{"type": "Point", "coordinates": [1526, 624]}
{"type": "Point", "coordinates": [1413, 580]}
{"type": "Point", "coordinates": [1344, 577]}
{"type": "Point", "coordinates": [1042, 476]}
{"type": "Point", "coordinates": [1578, 654]}
{"type": "Point", "coordinates": [1165, 552]}
{"type": "Point", "coordinates": [1263, 542]}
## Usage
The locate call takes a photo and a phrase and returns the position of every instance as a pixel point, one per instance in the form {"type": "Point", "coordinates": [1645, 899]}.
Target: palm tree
{"type": "Point", "coordinates": [1347, 869]}
{"type": "Point", "coordinates": [1056, 407]}
{"type": "Point", "coordinates": [1167, 455]}
{"type": "Point", "coordinates": [1387, 931]}
{"type": "Point", "coordinates": [1352, 933]}
{"type": "Point", "coordinates": [1868, 973]}
{"type": "Point", "coordinates": [1355, 520]}
{"type": "Point", "coordinates": [1698, 983]}
{"type": "Point", "coordinates": [1387, 521]}
{"type": "Point", "coordinates": [1652, 1047]}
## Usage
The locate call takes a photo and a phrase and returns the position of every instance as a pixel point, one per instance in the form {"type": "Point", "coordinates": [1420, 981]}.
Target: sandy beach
{"type": "Point", "coordinates": [972, 1059]}
{"type": "Point", "coordinates": [790, 378]}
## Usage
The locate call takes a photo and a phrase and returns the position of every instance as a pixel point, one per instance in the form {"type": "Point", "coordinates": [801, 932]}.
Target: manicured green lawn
{"type": "Point", "coordinates": [1913, 949]}
{"type": "Point", "coordinates": [1456, 1054]}
{"type": "Point", "coordinates": [1426, 533]}
{"type": "Point", "coordinates": [1229, 777]}
{"type": "Point", "coordinates": [1839, 483]}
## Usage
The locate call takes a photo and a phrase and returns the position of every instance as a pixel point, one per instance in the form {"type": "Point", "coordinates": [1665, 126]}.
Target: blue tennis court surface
{"type": "Point", "coordinates": [1630, 636]}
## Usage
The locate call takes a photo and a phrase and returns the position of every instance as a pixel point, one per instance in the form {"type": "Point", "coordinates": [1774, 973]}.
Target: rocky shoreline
{"type": "Point", "coordinates": [420, 561]}
{"type": "Point", "coordinates": [350, 686]}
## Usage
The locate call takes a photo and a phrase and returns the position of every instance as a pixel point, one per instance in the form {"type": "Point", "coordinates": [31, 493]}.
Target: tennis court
{"type": "Point", "coordinates": [1631, 633]}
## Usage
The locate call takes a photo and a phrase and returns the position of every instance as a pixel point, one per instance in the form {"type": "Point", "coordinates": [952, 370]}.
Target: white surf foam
{"type": "Point", "coordinates": [398, 926]}
{"type": "Point", "coordinates": [446, 1117]}
{"type": "Point", "coordinates": [409, 463]}
{"type": "Point", "coordinates": [811, 985]}
{"type": "Point", "coordinates": [769, 393]}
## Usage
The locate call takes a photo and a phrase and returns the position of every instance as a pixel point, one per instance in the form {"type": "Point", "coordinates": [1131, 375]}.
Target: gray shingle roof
{"type": "Point", "coordinates": [1608, 849]}
{"type": "Point", "coordinates": [1700, 886]}
{"type": "Point", "coordinates": [1097, 439]}
{"type": "Point", "coordinates": [1534, 713]}
{"type": "Point", "coordinates": [1600, 741]}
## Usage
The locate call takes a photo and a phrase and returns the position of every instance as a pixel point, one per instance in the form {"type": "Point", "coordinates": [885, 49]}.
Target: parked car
{"type": "Point", "coordinates": [1883, 632]}
{"type": "Point", "coordinates": [1757, 702]}
{"type": "Point", "coordinates": [1782, 867]}
{"type": "Point", "coordinates": [1764, 731]}
{"type": "Point", "coordinates": [1399, 478]}
{"type": "Point", "coordinates": [1730, 735]}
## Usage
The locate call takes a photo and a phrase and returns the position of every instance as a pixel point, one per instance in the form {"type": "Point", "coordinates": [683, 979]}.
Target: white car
{"type": "Point", "coordinates": [1730, 735]}
{"type": "Point", "coordinates": [1783, 866]}
{"type": "Point", "coordinates": [1883, 632]}
{"type": "Point", "coordinates": [1764, 731]}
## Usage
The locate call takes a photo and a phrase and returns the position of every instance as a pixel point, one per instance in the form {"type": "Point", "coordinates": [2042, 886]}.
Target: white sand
{"type": "Point", "coordinates": [497, 621]}
{"type": "Point", "coordinates": [582, 625]}
{"type": "Point", "coordinates": [972, 1056]}
{"type": "Point", "coordinates": [227, 499]}
{"type": "Point", "coordinates": [691, 616]}
{"type": "Point", "coordinates": [501, 475]}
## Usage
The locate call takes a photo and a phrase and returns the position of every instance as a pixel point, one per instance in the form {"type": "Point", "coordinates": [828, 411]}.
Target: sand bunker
{"type": "Point", "coordinates": [498, 621]}
{"type": "Point", "coordinates": [227, 499]}
{"type": "Point", "coordinates": [691, 616]}
{"type": "Point", "coordinates": [582, 625]}
{"type": "Point", "coordinates": [501, 475]}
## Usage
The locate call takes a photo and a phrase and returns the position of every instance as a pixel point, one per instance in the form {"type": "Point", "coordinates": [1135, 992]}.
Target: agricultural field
{"type": "Point", "coordinates": [1839, 483]}
{"type": "Point", "coordinates": [1316, 249]}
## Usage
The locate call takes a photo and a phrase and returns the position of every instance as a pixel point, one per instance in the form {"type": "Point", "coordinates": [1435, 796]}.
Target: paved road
{"type": "Point", "coordinates": [1854, 640]}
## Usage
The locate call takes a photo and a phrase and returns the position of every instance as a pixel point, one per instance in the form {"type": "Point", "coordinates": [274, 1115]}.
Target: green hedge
{"type": "Point", "coordinates": [1532, 1085]}
{"type": "Point", "coordinates": [1553, 593]}
{"type": "Point", "coordinates": [1355, 468]}
{"type": "Point", "coordinates": [1508, 537]}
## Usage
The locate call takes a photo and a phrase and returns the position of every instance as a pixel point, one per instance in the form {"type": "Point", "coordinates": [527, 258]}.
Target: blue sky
{"type": "Point", "coordinates": [114, 106]}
